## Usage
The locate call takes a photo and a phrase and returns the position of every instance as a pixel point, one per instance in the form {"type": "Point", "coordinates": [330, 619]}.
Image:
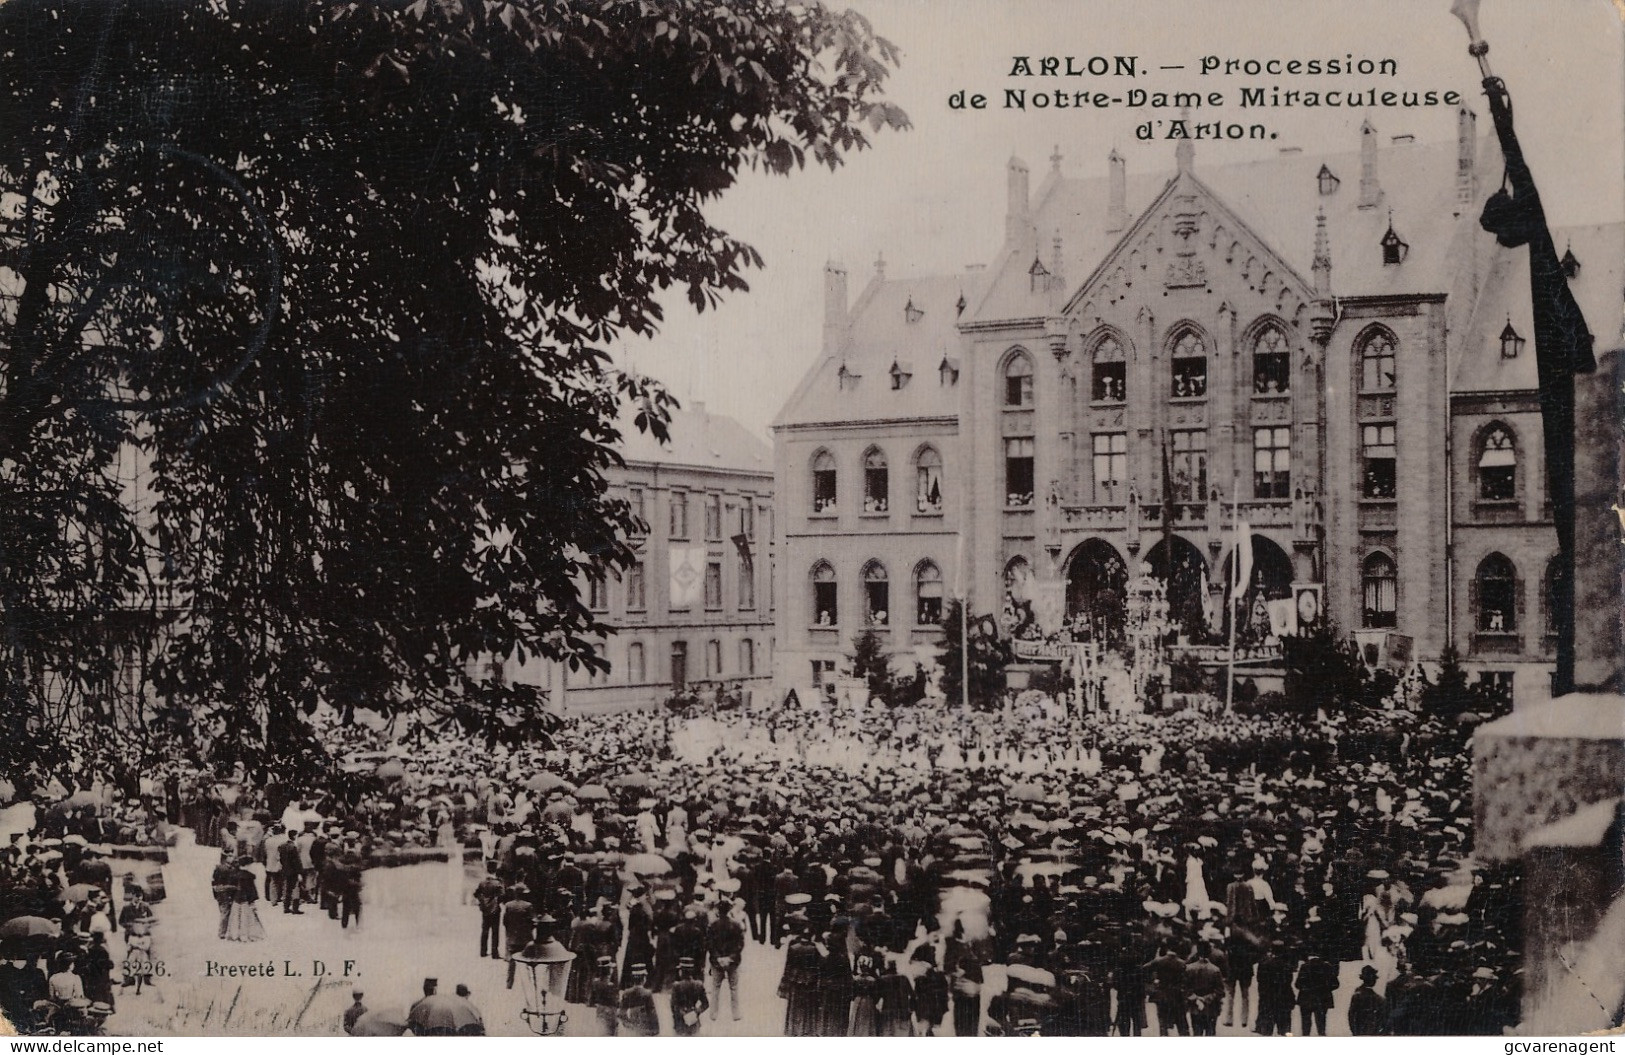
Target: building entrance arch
{"type": "Point", "coordinates": [1096, 578]}
{"type": "Point", "coordinates": [1179, 563]}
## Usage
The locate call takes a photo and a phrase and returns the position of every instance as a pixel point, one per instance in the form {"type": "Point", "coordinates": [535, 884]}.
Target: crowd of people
{"type": "Point", "coordinates": [927, 870]}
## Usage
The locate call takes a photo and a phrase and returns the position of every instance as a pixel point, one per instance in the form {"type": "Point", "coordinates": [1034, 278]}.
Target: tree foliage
{"type": "Point", "coordinates": [305, 393]}
{"type": "Point", "coordinates": [870, 662]}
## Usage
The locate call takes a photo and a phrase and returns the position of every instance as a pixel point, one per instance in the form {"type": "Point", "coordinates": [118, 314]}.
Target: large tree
{"type": "Point", "coordinates": [304, 326]}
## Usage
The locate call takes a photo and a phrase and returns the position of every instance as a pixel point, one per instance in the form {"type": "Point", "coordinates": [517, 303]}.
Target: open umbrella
{"type": "Point", "coordinates": [24, 927]}
{"type": "Point", "coordinates": [385, 1022]}
{"type": "Point", "coordinates": [441, 1013]}
{"type": "Point", "coordinates": [391, 770]}
{"type": "Point", "coordinates": [80, 798]}
{"type": "Point", "coordinates": [76, 892]}
{"type": "Point", "coordinates": [545, 782]}
{"type": "Point", "coordinates": [648, 865]}
{"type": "Point", "coordinates": [8, 791]}
{"type": "Point", "coordinates": [593, 793]}
{"type": "Point", "coordinates": [632, 780]}
{"type": "Point", "coordinates": [1028, 792]}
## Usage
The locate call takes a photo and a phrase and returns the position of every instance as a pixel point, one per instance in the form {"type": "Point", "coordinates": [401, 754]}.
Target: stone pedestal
{"type": "Point", "coordinates": [1540, 764]}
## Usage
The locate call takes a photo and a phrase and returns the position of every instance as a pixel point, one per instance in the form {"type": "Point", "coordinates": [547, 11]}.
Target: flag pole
{"type": "Point", "coordinates": [1230, 598]}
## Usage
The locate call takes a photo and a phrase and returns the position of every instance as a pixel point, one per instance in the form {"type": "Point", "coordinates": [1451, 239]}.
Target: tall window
{"type": "Point", "coordinates": [635, 596]}
{"type": "Point", "coordinates": [713, 584]}
{"type": "Point", "coordinates": [1497, 584]}
{"type": "Point", "coordinates": [876, 594]}
{"type": "Point", "coordinates": [1380, 591]}
{"type": "Point", "coordinates": [679, 664]}
{"type": "Point", "coordinates": [597, 594]}
{"type": "Point", "coordinates": [634, 498]}
{"type": "Point", "coordinates": [876, 482]}
{"type": "Point", "coordinates": [678, 503]}
{"type": "Point", "coordinates": [825, 611]}
{"type": "Point", "coordinates": [1377, 362]}
{"type": "Point", "coordinates": [1018, 382]}
{"type": "Point", "coordinates": [1111, 465]}
{"type": "Point", "coordinates": [1189, 367]}
{"type": "Point", "coordinates": [713, 516]}
{"type": "Point", "coordinates": [1380, 478]}
{"type": "Point", "coordinates": [747, 656]}
{"type": "Point", "coordinates": [772, 583]}
{"type": "Point", "coordinates": [928, 482]}
{"type": "Point", "coordinates": [1111, 374]}
{"type": "Point", "coordinates": [1018, 471]}
{"type": "Point", "coordinates": [713, 658]}
{"type": "Point", "coordinates": [1548, 595]}
{"type": "Point", "coordinates": [1498, 466]}
{"type": "Point", "coordinates": [747, 517]}
{"type": "Point", "coordinates": [1272, 363]}
{"type": "Point", "coordinates": [747, 583]}
{"type": "Point", "coordinates": [636, 671]}
{"type": "Point", "coordinates": [927, 595]}
{"type": "Point", "coordinates": [824, 482]}
{"type": "Point", "coordinates": [1189, 465]}
{"type": "Point", "coordinates": [1272, 462]}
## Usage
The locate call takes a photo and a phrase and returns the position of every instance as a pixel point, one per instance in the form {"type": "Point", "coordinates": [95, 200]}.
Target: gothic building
{"type": "Point", "coordinates": [1327, 349]}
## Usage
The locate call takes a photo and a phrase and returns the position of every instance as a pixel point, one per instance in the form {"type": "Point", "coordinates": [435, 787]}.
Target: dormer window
{"type": "Point", "coordinates": [912, 314]}
{"type": "Point", "coordinates": [846, 378]}
{"type": "Point", "coordinates": [900, 373]}
{"type": "Point", "coordinates": [948, 372]}
{"type": "Point", "coordinates": [1570, 264]}
{"type": "Point", "coordinates": [1394, 247]}
{"type": "Point", "coordinates": [1327, 180]}
{"type": "Point", "coordinates": [960, 305]}
{"type": "Point", "coordinates": [1511, 341]}
{"type": "Point", "coordinates": [1038, 275]}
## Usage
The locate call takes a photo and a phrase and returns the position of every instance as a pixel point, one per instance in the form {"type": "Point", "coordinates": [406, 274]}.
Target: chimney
{"type": "Point", "coordinates": [1117, 184]}
{"type": "Point", "coordinates": [1016, 225]}
{"type": "Point", "coordinates": [1370, 190]}
{"type": "Point", "coordinates": [834, 307]}
{"type": "Point", "coordinates": [1466, 156]}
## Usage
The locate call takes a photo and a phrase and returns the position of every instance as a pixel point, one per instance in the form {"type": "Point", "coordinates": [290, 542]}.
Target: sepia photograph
{"type": "Point", "coordinates": [812, 518]}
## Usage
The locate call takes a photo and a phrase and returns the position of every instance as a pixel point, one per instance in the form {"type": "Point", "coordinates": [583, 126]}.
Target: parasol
{"type": "Point", "coordinates": [633, 780]}
{"type": "Point", "coordinates": [441, 1013]}
{"type": "Point", "coordinates": [648, 865]}
{"type": "Point", "coordinates": [391, 770]}
{"type": "Point", "coordinates": [545, 782]}
{"type": "Point", "coordinates": [385, 1022]}
{"type": "Point", "coordinates": [593, 793]}
{"type": "Point", "coordinates": [80, 798]}
{"type": "Point", "coordinates": [1028, 792]}
{"type": "Point", "coordinates": [76, 892]}
{"type": "Point", "coordinates": [24, 927]}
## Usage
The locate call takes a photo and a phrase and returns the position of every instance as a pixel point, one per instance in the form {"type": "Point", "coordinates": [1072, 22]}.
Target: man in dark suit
{"type": "Point", "coordinates": [725, 941]}
{"type": "Point", "coordinates": [1275, 998]}
{"type": "Point", "coordinates": [488, 896]}
{"type": "Point", "coordinates": [688, 999]}
{"type": "Point", "coordinates": [1167, 974]}
{"type": "Point", "coordinates": [1368, 1012]}
{"type": "Point", "coordinates": [784, 885]}
{"type": "Point", "coordinates": [518, 924]}
{"type": "Point", "coordinates": [1204, 992]}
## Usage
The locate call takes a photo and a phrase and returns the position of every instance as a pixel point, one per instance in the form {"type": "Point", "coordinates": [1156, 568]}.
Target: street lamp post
{"type": "Point", "coordinates": [547, 974]}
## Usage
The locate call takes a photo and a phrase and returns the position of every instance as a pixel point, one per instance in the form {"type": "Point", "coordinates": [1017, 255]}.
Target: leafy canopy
{"type": "Point", "coordinates": [304, 393]}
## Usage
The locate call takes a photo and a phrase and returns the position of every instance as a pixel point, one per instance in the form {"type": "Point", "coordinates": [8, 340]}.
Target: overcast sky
{"type": "Point", "coordinates": [932, 198]}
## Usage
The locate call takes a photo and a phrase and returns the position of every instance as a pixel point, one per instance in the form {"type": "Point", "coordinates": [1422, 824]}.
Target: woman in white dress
{"type": "Point", "coordinates": [1196, 899]}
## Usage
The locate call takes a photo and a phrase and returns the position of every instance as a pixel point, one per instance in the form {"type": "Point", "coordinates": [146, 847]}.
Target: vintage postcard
{"type": "Point", "coordinates": [670, 518]}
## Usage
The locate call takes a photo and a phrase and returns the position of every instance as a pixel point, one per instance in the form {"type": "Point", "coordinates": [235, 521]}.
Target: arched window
{"type": "Point", "coordinates": [927, 594]}
{"type": "Point", "coordinates": [823, 473]}
{"type": "Point", "coordinates": [1377, 362]}
{"type": "Point", "coordinates": [1498, 466]}
{"type": "Point", "coordinates": [1018, 576]}
{"type": "Point", "coordinates": [876, 482]}
{"type": "Point", "coordinates": [876, 594]}
{"type": "Point", "coordinates": [1548, 595]}
{"type": "Point", "coordinates": [635, 668]}
{"type": "Point", "coordinates": [1111, 372]}
{"type": "Point", "coordinates": [1272, 363]}
{"type": "Point", "coordinates": [1379, 582]}
{"type": "Point", "coordinates": [713, 658]}
{"type": "Point", "coordinates": [1497, 588]}
{"type": "Point", "coordinates": [747, 656]}
{"type": "Point", "coordinates": [825, 611]}
{"type": "Point", "coordinates": [928, 481]}
{"type": "Point", "coordinates": [1189, 367]}
{"type": "Point", "coordinates": [1018, 382]}
{"type": "Point", "coordinates": [1018, 471]}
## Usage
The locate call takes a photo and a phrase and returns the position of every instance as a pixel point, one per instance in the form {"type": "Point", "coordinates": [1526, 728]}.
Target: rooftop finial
{"type": "Point", "coordinates": [880, 264]}
{"type": "Point", "coordinates": [1055, 158]}
{"type": "Point", "coordinates": [1185, 152]}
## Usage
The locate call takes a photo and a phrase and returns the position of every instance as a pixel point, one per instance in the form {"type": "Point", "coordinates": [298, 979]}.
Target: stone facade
{"type": "Point", "coordinates": [1316, 346]}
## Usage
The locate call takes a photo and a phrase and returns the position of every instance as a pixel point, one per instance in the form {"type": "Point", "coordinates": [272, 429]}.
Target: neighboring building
{"type": "Point", "coordinates": [697, 608]}
{"type": "Point", "coordinates": [1323, 347]}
